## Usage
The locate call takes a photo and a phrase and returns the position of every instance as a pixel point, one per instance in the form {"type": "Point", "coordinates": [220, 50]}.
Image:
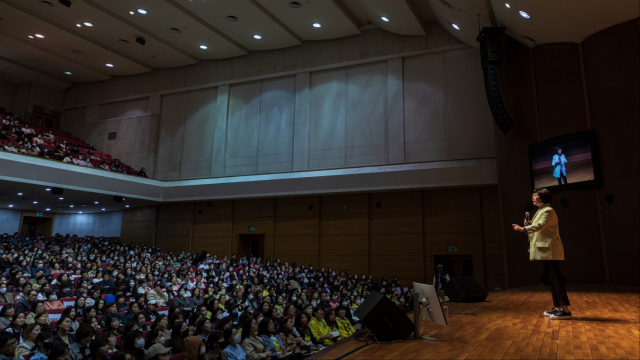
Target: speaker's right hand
{"type": "Point", "coordinates": [527, 222]}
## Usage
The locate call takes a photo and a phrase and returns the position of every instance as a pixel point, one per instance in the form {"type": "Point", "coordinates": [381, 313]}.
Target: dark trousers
{"type": "Point", "coordinates": [556, 283]}
{"type": "Point", "coordinates": [562, 177]}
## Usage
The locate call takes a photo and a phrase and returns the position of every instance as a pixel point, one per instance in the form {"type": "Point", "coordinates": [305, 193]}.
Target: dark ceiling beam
{"type": "Point", "coordinates": [34, 45]}
{"type": "Point", "coordinates": [75, 33]}
{"type": "Point", "coordinates": [207, 25]}
{"type": "Point", "coordinates": [416, 14]}
{"type": "Point", "coordinates": [347, 13]}
{"type": "Point", "coordinates": [275, 20]}
{"type": "Point", "coordinates": [141, 29]}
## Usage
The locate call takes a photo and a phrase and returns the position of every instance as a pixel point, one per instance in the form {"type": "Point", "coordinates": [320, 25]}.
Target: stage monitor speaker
{"type": "Point", "coordinates": [465, 289]}
{"type": "Point", "coordinates": [118, 199]}
{"type": "Point", "coordinates": [384, 318]}
{"type": "Point", "coordinates": [57, 191]}
{"type": "Point", "coordinates": [490, 39]}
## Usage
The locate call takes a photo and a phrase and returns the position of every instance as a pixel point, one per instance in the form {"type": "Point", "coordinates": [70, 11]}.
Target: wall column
{"type": "Point", "coordinates": [395, 110]}
{"type": "Point", "coordinates": [220, 132]}
{"type": "Point", "coordinates": [301, 123]}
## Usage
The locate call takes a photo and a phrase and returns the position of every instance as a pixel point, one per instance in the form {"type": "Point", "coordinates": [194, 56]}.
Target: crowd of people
{"type": "Point", "coordinates": [134, 302]}
{"type": "Point", "coordinates": [18, 137]}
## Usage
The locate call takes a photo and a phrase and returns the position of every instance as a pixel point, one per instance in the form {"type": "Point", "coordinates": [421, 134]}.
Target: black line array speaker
{"type": "Point", "coordinates": [385, 320]}
{"type": "Point", "coordinates": [465, 289]}
{"type": "Point", "coordinates": [490, 39]}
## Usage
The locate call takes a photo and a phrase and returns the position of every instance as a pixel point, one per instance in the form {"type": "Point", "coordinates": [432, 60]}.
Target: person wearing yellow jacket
{"type": "Point", "coordinates": [319, 327]}
{"type": "Point", "coordinates": [344, 325]}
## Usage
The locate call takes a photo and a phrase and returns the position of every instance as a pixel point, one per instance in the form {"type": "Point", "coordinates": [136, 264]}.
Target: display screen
{"type": "Point", "coordinates": [565, 163]}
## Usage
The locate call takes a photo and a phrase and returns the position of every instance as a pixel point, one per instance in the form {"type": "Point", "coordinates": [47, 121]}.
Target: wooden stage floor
{"type": "Point", "coordinates": [510, 325]}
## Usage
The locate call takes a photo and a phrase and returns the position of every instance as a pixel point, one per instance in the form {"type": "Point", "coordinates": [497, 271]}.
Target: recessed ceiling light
{"type": "Point", "coordinates": [109, 65]}
{"type": "Point", "coordinates": [70, 205]}
{"type": "Point", "coordinates": [79, 25]}
{"type": "Point", "coordinates": [103, 209]}
{"type": "Point", "coordinates": [455, 26]}
{"type": "Point", "coordinates": [61, 198]}
{"type": "Point", "coordinates": [48, 209]}
{"type": "Point", "coordinates": [10, 205]}
{"type": "Point", "coordinates": [126, 205]}
{"type": "Point", "coordinates": [257, 37]}
{"type": "Point", "coordinates": [232, 18]}
{"type": "Point", "coordinates": [68, 72]}
{"type": "Point", "coordinates": [76, 51]}
{"type": "Point", "coordinates": [507, 5]}
{"type": "Point", "coordinates": [316, 25]}
{"type": "Point", "coordinates": [19, 194]}
{"type": "Point", "coordinates": [40, 36]}
{"type": "Point", "coordinates": [175, 30]}
{"type": "Point", "coordinates": [132, 13]}
{"type": "Point", "coordinates": [295, 4]}
{"type": "Point", "coordinates": [35, 202]}
{"type": "Point", "coordinates": [30, 36]}
{"type": "Point", "coordinates": [86, 23]}
{"type": "Point", "coordinates": [384, 18]}
{"type": "Point", "coordinates": [522, 13]}
{"type": "Point", "coordinates": [79, 212]}
{"type": "Point", "coordinates": [142, 11]}
{"type": "Point", "coordinates": [95, 202]}
{"type": "Point", "coordinates": [47, 189]}
{"type": "Point", "coordinates": [204, 47]}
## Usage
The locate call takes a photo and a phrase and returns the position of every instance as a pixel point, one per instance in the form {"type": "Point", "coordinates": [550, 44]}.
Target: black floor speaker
{"type": "Point", "coordinates": [384, 318]}
{"type": "Point", "coordinates": [465, 289]}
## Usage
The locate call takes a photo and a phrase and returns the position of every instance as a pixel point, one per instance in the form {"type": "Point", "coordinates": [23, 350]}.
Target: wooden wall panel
{"type": "Point", "coordinates": [296, 206]}
{"type": "Point", "coordinates": [213, 210]}
{"type": "Point", "coordinates": [140, 214]}
{"type": "Point", "coordinates": [344, 224]}
{"type": "Point", "coordinates": [294, 245]}
{"type": "Point", "coordinates": [253, 208]}
{"type": "Point", "coordinates": [451, 199]}
{"type": "Point", "coordinates": [456, 221]}
{"type": "Point", "coordinates": [220, 227]}
{"type": "Point", "coordinates": [355, 264]}
{"type": "Point", "coordinates": [396, 223]}
{"type": "Point", "coordinates": [296, 225]}
{"type": "Point", "coordinates": [181, 211]}
{"type": "Point", "coordinates": [402, 267]}
{"type": "Point", "coordinates": [173, 229]}
{"type": "Point", "coordinates": [299, 259]}
{"type": "Point", "coordinates": [454, 238]}
{"type": "Point", "coordinates": [396, 244]}
{"type": "Point", "coordinates": [213, 245]}
{"type": "Point", "coordinates": [391, 202]}
{"type": "Point", "coordinates": [344, 204]}
{"type": "Point", "coordinates": [131, 231]}
{"type": "Point", "coordinates": [176, 245]}
{"type": "Point", "coordinates": [352, 245]}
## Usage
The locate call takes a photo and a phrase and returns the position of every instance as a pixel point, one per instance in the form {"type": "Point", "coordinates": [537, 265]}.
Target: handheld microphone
{"type": "Point", "coordinates": [526, 215]}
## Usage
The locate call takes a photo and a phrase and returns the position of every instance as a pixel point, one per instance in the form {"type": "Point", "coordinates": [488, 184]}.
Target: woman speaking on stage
{"type": "Point", "coordinates": [546, 246]}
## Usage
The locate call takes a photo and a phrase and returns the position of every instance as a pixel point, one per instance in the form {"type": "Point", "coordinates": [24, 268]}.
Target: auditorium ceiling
{"type": "Point", "coordinates": [46, 42]}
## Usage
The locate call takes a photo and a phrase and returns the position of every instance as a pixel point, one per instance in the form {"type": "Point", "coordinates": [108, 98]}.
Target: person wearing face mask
{"type": "Point", "coordinates": [5, 296]}
{"type": "Point", "coordinates": [233, 350]}
{"type": "Point", "coordinates": [343, 323]}
{"type": "Point", "coordinates": [133, 342]}
{"type": "Point", "coordinates": [52, 301]}
{"type": "Point", "coordinates": [158, 295]}
{"type": "Point", "coordinates": [179, 332]}
{"type": "Point", "coordinates": [80, 348]}
{"type": "Point", "coordinates": [186, 305]}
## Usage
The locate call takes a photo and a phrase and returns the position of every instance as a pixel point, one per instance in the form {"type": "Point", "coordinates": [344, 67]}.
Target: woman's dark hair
{"type": "Point", "coordinates": [246, 327]}
{"type": "Point", "coordinates": [58, 350]}
{"type": "Point", "coordinates": [212, 340]}
{"type": "Point", "coordinates": [544, 194]}
{"type": "Point", "coordinates": [224, 321]}
{"type": "Point", "coordinates": [158, 319]}
{"type": "Point", "coordinates": [84, 331]}
{"type": "Point", "coordinates": [44, 335]}
{"type": "Point", "coordinates": [35, 304]}
{"type": "Point", "coordinates": [120, 355]}
{"type": "Point", "coordinates": [151, 338]}
{"type": "Point", "coordinates": [283, 322]}
{"type": "Point", "coordinates": [228, 333]}
{"type": "Point", "coordinates": [177, 340]}
{"type": "Point", "coordinates": [5, 309]}
{"type": "Point", "coordinates": [200, 325]}
{"type": "Point", "coordinates": [61, 320]}
{"type": "Point", "coordinates": [128, 342]}
{"type": "Point", "coordinates": [327, 314]}
{"type": "Point", "coordinates": [129, 326]}
{"type": "Point", "coordinates": [263, 326]}
{"type": "Point", "coordinates": [94, 347]}
{"type": "Point", "coordinates": [67, 312]}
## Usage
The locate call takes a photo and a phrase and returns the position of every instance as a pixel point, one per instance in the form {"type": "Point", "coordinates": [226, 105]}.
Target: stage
{"type": "Point", "coordinates": [510, 325]}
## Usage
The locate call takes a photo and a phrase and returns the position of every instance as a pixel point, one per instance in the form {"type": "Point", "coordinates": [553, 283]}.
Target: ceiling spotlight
{"type": "Point", "coordinates": [455, 26]}
{"type": "Point", "coordinates": [86, 23]}
{"type": "Point", "coordinates": [40, 36]}
{"type": "Point", "coordinates": [79, 25]}
{"type": "Point", "coordinates": [95, 202]}
{"type": "Point", "coordinates": [66, 3]}
{"type": "Point", "coordinates": [48, 209]}
{"type": "Point", "coordinates": [61, 198]}
{"type": "Point", "coordinates": [175, 30]}
{"type": "Point", "coordinates": [126, 205]}
{"type": "Point", "coordinates": [109, 65]}
{"type": "Point", "coordinates": [103, 209]}
{"type": "Point", "coordinates": [70, 205]}
{"type": "Point", "coordinates": [68, 72]}
{"type": "Point", "coordinates": [257, 37]}
{"type": "Point", "coordinates": [79, 212]}
{"type": "Point", "coordinates": [232, 18]}
{"type": "Point", "coordinates": [10, 205]}
{"type": "Point", "coordinates": [384, 18]}
{"type": "Point", "coordinates": [142, 11]}
{"type": "Point", "coordinates": [507, 5]}
{"type": "Point", "coordinates": [35, 202]}
{"type": "Point", "coordinates": [30, 36]}
{"type": "Point", "coordinates": [204, 47]}
{"type": "Point", "coordinates": [19, 194]}
{"type": "Point", "coordinates": [141, 41]}
{"type": "Point", "coordinates": [47, 189]}
{"type": "Point", "coordinates": [295, 4]}
{"type": "Point", "coordinates": [522, 13]}
{"type": "Point", "coordinates": [316, 25]}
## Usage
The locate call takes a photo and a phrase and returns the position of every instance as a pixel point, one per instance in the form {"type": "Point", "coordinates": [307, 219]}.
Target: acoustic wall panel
{"type": "Point", "coordinates": [197, 142]}
{"type": "Point", "coordinates": [276, 119]}
{"type": "Point", "coordinates": [170, 141]}
{"type": "Point", "coordinates": [242, 129]}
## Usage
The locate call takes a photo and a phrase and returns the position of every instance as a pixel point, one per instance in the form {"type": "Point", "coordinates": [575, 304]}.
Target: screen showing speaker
{"type": "Point", "coordinates": [566, 162]}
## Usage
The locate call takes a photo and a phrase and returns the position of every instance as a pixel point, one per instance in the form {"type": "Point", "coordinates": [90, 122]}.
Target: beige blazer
{"type": "Point", "coordinates": [544, 235]}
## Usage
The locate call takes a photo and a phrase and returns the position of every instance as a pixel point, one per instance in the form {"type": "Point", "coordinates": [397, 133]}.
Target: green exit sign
{"type": "Point", "coordinates": [453, 249]}
{"type": "Point", "coordinates": [39, 213]}
{"type": "Point", "coordinates": [252, 228]}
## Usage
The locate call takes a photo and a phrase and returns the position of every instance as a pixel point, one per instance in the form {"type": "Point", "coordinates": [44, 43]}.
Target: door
{"type": "Point", "coordinates": [33, 226]}
{"type": "Point", "coordinates": [251, 245]}
{"type": "Point", "coordinates": [455, 265]}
